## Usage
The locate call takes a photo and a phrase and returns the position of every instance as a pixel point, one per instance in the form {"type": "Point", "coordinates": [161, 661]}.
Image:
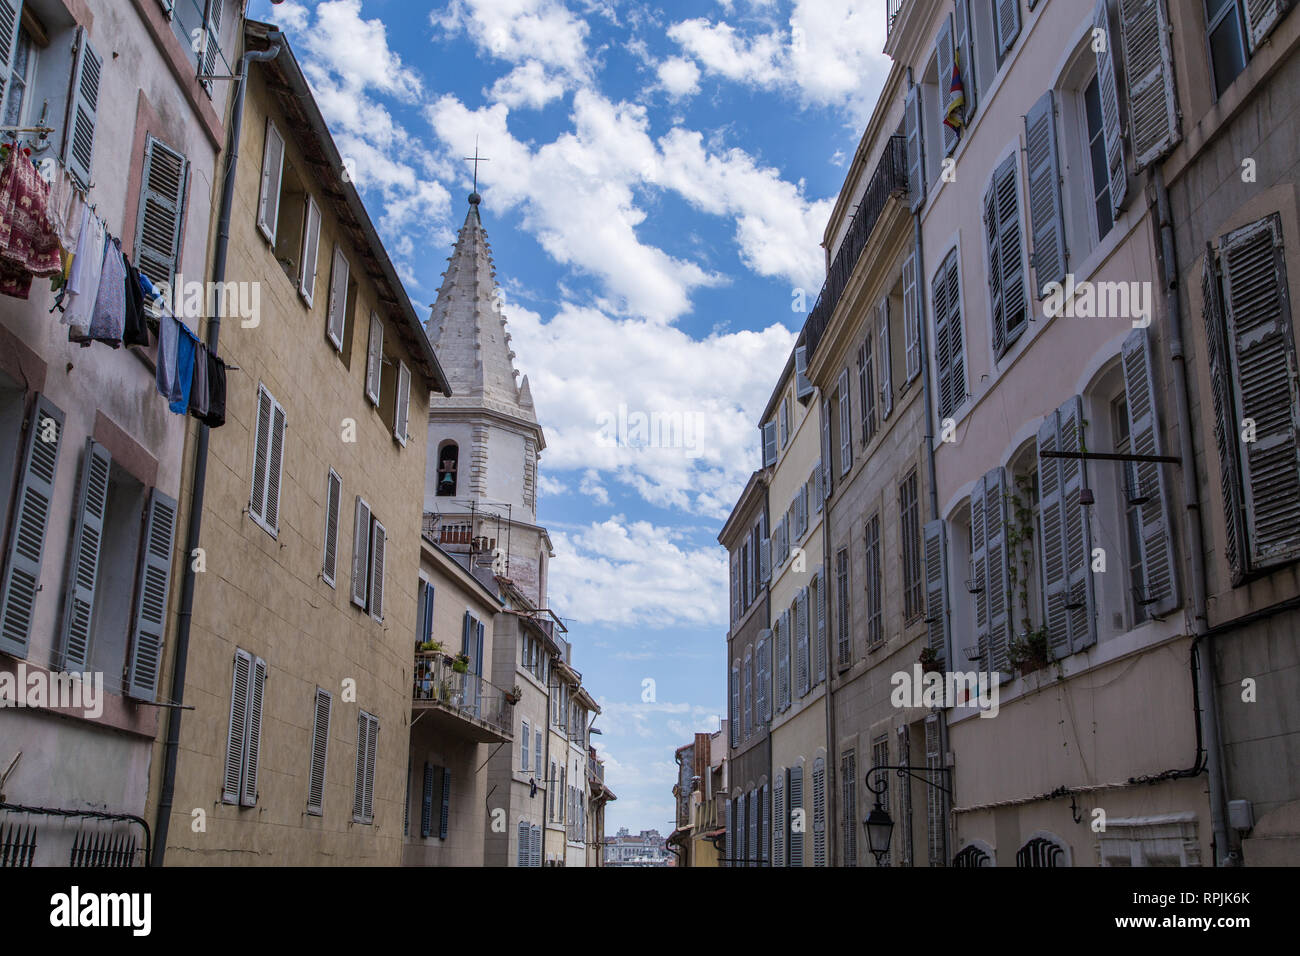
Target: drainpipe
{"type": "Point", "coordinates": [832, 751]}
{"type": "Point", "coordinates": [1225, 852]}
{"type": "Point", "coordinates": [199, 483]}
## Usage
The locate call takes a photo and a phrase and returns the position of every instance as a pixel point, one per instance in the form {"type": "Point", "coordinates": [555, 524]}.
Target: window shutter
{"type": "Point", "coordinates": [212, 44]}
{"type": "Point", "coordinates": [803, 387]}
{"type": "Point", "coordinates": [338, 303]}
{"type": "Point", "coordinates": [801, 630]}
{"type": "Point", "coordinates": [735, 704]}
{"type": "Point", "coordinates": [911, 317]}
{"type": "Point", "coordinates": [527, 739]}
{"type": "Point", "coordinates": [769, 444]}
{"type": "Point", "coordinates": [749, 692]}
{"type": "Point", "coordinates": [372, 741]}
{"type": "Point", "coordinates": [779, 820]}
{"type": "Point", "coordinates": [161, 213]}
{"type": "Point", "coordinates": [782, 662]}
{"type": "Point", "coordinates": [794, 793]}
{"type": "Point", "coordinates": [268, 206]}
{"type": "Point", "coordinates": [1008, 14]}
{"type": "Point", "coordinates": [819, 812]}
{"type": "Point", "coordinates": [426, 802]}
{"type": "Point", "coordinates": [10, 21]}
{"type": "Point", "coordinates": [819, 665]}
{"type": "Point", "coordinates": [238, 728]}
{"type": "Point", "coordinates": [965, 47]}
{"type": "Point", "coordinates": [333, 504]}
{"type": "Point", "coordinates": [378, 548]}
{"type": "Point", "coordinates": [1047, 222]}
{"type": "Point", "coordinates": [1067, 538]}
{"type": "Point", "coordinates": [261, 443]}
{"type": "Point", "coordinates": [79, 605]}
{"type": "Point", "coordinates": [950, 365]}
{"type": "Point", "coordinates": [944, 58]}
{"type": "Point", "coordinates": [849, 795]}
{"type": "Point", "coordinates": [886, 363]}
{"type": "Point", "coordinates": [274, 468]}
{"type": "Point", "coordinates": [846, 433]}
{"type": "Point", "coordinates": [1262, 349]}
{"type": "Point", "coordinates": [815, 479]}
{"type": "Point", "coordinates": [989, 572]}
{"type": "Point", "coordinates": [35, 490]}
{"type": "Point", "coordinates": [402, 414]}
{"type": "Point", "coordinates": [320, 746]}
{"type": "Point", "coordinates": [993, 248]}
{"type": "Point", "coordinates": [826, 448]}
{"type": "Point", "coordinates": [1225, 422]}
{"type": "Point", "coordinates": [360, 552]}
{"type": "Point", "coordinates": [79, 134]}
{"type": "Point", "coordinates": [310, 251]}
{"type": "Point", "coordinates": [765, 559]}
{"type": "Point", "coordinates": [1006, 267]}
{"type": "Point", "coordinates": [979, 557]}
{"type": "Point", "coordinates": [537, 750]}
{"type": "Point", "coordinates": [765, 825]}
{"type": "Point", "coordinates": [936, 817]}
{"type": "Point", "coordinates": [936, 569]}
{"type": "Point", "coordinates": [914, 131]}
{"type": "Point", "coordinates": [1261, 17]}
{"type": "Point", "coordinates": [1110, 118]}
{"type": "Point", "coordinates": [523, 856]}
{"type": "Point", "coordinates": [374, 358]}
{"type": "Point", "coordinates": [1158, 572]}
{"type": "Point", "coordinates": [763, 677]}
{"type": "Point", "coordinates": [537, 846]}
{"type": "Point", "coordinates": [152, 591]}
{"type": "Point", "coordinates": [252, 753]}
{"type": "Point", "coordinates": [444, 815]}
{"type": "Point", "coordinates": [1149, 78]}
{"type": "Point", "coordinates": [753, 849]}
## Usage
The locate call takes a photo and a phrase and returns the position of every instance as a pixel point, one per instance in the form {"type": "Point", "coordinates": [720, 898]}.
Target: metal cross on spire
{"type": "Point", "coordinates": [476, 159]}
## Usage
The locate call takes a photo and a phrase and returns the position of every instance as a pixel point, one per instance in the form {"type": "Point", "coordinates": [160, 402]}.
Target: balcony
{"type": "Point", "coordinates": [466, 705]}
{"type": "Point", "coordinates": [892, 10]}
{"type": "Point", "coordinates": [887, 182]}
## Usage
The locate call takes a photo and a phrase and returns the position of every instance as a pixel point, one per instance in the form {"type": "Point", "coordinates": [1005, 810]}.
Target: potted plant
{"type": "Point", "coordinates": [930, 660]}
{"type": "Point", "coordinates": [514, 695]}
{"type": "Point", "coordinates": [461, 664]}
{"type": "Point", "coordinates": [1029, 652]}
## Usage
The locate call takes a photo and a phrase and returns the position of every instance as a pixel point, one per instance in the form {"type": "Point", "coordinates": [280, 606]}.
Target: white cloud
{"type": "Point", "coordinates": [527, 85]}
{"type": "Point", "coordinates": [592, 488]}
{"type": "Point", "coordinates": [547, 485]}
{"type": "Point", "coordinates": [679, 77]}
{"type": "Point", "coordinates": [517, 31]}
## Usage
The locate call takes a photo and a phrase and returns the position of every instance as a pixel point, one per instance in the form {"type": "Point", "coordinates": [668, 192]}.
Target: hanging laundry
{"type": "Point", "coordinates": [108, 318]}
{"type": "Point", "coordinates": [186, 343]}
{"type": "Point", "coordinates": [29, 244]}
{"type": "Point", "coordinates": [216, 415]}
{"type": "Point", "coordinates": [83, 281]}
{"type": "Point", "coordinates": [135, 331]}
{"type": "Point", "coordinates": [199, 386]}
{"type": "Point", "coordinates": [168, 341]}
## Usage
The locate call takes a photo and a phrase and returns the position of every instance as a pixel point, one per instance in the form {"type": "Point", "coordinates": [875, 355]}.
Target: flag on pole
{"type": "Point", "coordinates": [954, 119]}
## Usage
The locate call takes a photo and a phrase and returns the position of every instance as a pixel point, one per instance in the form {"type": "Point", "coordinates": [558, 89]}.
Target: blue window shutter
{"type": "Point", "coordinates": [26, 550]}
{"type": "Point", "coordinates": [9, 25]}
{"type": "Point", "coordinates": [79, 134]}
{"type": "Point", "coordinates": [151, 597]}
{"type": "Point", "coordinates": [444, 816]}
{"type": "Point", "coordinates": [79, 604]}
{"type": "Point", "coordinates": [1110, 118]}
{"type": "Point", "coordinates": [915, 133]}
{"type": "Point", "coordinates": [1047, 221]}
{"type": "Point", "coordinates": [936, 608]}
{"type": "Point", "coordinates": [162, 210]}
{"type": "Point", "coordinates": [426, 802]}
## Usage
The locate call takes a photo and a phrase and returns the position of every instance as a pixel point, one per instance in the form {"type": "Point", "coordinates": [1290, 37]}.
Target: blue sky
{"type": "Point", "coordinates": [658, 182]}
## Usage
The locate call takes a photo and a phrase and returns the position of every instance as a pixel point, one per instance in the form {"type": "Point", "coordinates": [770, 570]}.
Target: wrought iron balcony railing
{"type": "Point", "coordinates": [469, 695]}
{"type": "Point", "coordinates": [888, 181]}
{"type": "Point", "coordinates": [891, 13]}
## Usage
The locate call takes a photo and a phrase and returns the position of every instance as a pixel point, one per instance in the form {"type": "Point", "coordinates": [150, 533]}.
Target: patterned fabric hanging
{"type": "Point", "coordinates": [29, 243]}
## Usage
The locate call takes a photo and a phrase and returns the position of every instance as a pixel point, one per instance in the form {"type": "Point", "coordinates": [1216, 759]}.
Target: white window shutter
{"type": "Point", "coordinates": [79, 134]}
{"type": "Point", "coordinates": [1149, 78]}
{"type": "Point", "coordinates": [846, 432]}
{"type": "Point", "coordinates": [261, 455]}
{"type": "Point", "coordinates": [268, 206]}
{"type": "Point", "coordinates": [160, 216]}
{"type": "Point", "coordinates": [374, 358]}
{"type": "Point", "coordinates": [944, 58]}
{"type": "Point", "coordinates": [779, 820]}
{"type": "Point", "coordinates": [1159, 575]}
{"type": "Point", "coordinates": [1261, 345]}
{"type": "Point", "coordinates": [886, 362]}
{"type": "Point", "coordinates": [402, 414]}
{"type": "Point", "coordinates": [152, 590]}
{"type": "Point", "coordinates": [826, 448]}
{"type": "Point", "coordinates": [333, 508]}
{"type": "Point", "coordinates": [803, 387]}
{"type": "Point", "coordinates": [763, 677]}
{"type": "Point", "coordinates": [35, 491]}
{"type": "Point", "coordinates": [914, 129]}
{"type": "Point", "coordinates": [936, 608]}
{"type": "Point", "coordinates": [754, 850]}
{"type": "Point", "coordinates": [849, 810]}
{"type": "Point", "coordinates": [320, 743]}
{"type": "Point", "coordinates": [338, 302]}
{"type": "Point", "coordinates": [372, 747]}
{"type": "Point", "coordinates": [310, 251]}
{"type": "Point", "coordinates": [819, 665]}
{"type": "Point", "coordinates": [911, 317]}
{"type": "Point", "coordinates": [965, 47]}
{"type": "Point", "coordinates": [253, 735]}
{"type": "Point", "coordinates": [1008, 14]}
{"type": "Point", "coordinates": [979, 570]}
{"type": "Point", "coordinates": [794, 795]}
{"type": "Point", "coordinates": [87, 534]}
{"type": "Point", "coordinates": [524, 751]}
{"type": "Point", "coordinates": [993, 249]}
{"type": "Point", "coordinates": [237, 734]}
{"type": "Point", "coordinates": [949, 358]}
{"type": "Point", "coordinates": [360, 553]}
{"type": "Point", "coordinates": [1110, 115]}
{"type": "Point", "coordinates": [275, 468]}
{"type": "Point", "coordinates": [378, 551]}
{"type": "Point", "coordinates": [1261, 17]}
{"type": "Point", "coordinates": [1047, 221]}
{"type": "Point", "coordinates": [769, 444]}
{"type": "Point", "coordinates": [1006, 266]}
{"type": "Point", "coordinates": [997, 570]}
{"type": "Point", "coordinates": [1067, 538]}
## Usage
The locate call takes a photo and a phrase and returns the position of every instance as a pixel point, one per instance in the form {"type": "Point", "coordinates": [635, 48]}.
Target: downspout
{"type": "Point", "coordinates": [199, 483]}
{"type": "Point", "coordinates": [833, 783]}
{"type": "Point", "coordinates": [1225, 852]}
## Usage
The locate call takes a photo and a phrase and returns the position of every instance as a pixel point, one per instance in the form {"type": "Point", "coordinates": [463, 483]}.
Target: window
{"type": "Point", "coordinates": [244, 737]}
{"type": "Point", "coordinates": [1006, 26]}
{"type": "Point", "coordinates": [375, 359]}
{"type": "Point", "coordinates": [817, 591]}
{"type": "Point", "coordinates": [886, 361]}
{"type": "Point", "coordinates": [990, 570]}
{"type": "Point", "coordinates": [448, 463]}
{"type": "Point", "coordinates": [333, 505]}
{"type": "Point", "coordinates": [551, 792]}
{"type": "Point", "coordinates": [310, 255]}
{"type": "Point", "coordinates": [20, 60]}
{"type": "Point", "coordinates": [867, 388]}
{"type": "Point", "coordinates": [949, 352]}
{"type": "Point", "coordinates": [770, 446]}
{"type": "Point", "coordinates": [369, 550]}
{"type": "Point", "coordinates": [849, 806]}
{"type": "Point", "coordinates": [402, 408]}
{"type": "Point", "coordinates": [342, 303]}
{"type": "Point", "coordinates": [363, 793]}
{"type": "Point", "coordinates": [1252, 359]}
{"type": "Point", "coordinates": [910, 530]}
{"type": "Point", "coordinates": [880, 758]}
{"type": "Point", "coordinates": [1100, 188]}
{"type": "Point", "coordinates": [875, 603]}
{"type": "Point", "coordinates": [846, 433]}
{"type": "Point", "coordinates": [161, 216]}
{"type": "Point", "coordinates": [1226, 32]}
{"type": "Point", "coordinates": [785, 422]}
{"type": "Point", "coordinates": [844, 640]}
{"type": "Point", "coordinates": [762, 702]}
{"type": "Point", "coordinates": [320, 741]}
{"type": "Point", "coordinates": [749, 692]}
{"type": "Point", "coordinates": [911, 318]}
{"type": "Point", "coordinates": [268, 463]}
{"type": "Point", "coordinates": [537, 750]}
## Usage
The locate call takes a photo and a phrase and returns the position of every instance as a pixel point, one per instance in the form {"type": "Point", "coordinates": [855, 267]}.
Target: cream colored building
{"type": "Point", "coordinates": [299, 659]}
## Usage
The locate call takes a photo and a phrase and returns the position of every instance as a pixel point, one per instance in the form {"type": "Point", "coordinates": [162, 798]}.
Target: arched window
{"type": "Point", "coordinates": [448, 463]}
{"type": "Point", "coordinates": [1042, 851]}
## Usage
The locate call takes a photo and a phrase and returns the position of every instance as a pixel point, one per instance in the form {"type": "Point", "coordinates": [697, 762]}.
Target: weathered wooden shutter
{"type": "Point", "coordinates": [79, 134]}
{"type": "Point", "coordinates": [801, 632]}
{"type": "Point", "coordinates": [803, 387]}
{"type": "Point", "coordinates": [1261, 17]}
{"type": "Point", "coordinates": [965, 50]}
{"type": "Point", "coordinates": [846, 432]}
{"type": "Point", "coordinates": [780, 820]}
{"type": "Point", "coordinates": [1110, 116]}
{"type": "Point", "coordinates": [253, 750]}
{"type": "Point", "coordinates": [936, 608]}
{"type": "Point", "coordinates": [1149, 78]}
{"type": "Point", "coordinates": [993, 249]}
{"type": "Point", "coordinates": [274, 468]}
{"type": "Point", "coordinates": [1067, 538]}
{"type": "Point", "coordinates": [87, 536]}
{"type": "Point", "coordinates": [886, 363]}
{"type": "Point", "coordinates": [1261, 339]}
{"type": "Point", "coordinates": [360, 553]}
{"type": "Point", "coordinates": [1225, 421]}
{"type": "Point", "coordinates": [310, 251]}
{"type": "Point", "coordinates": [950, 360]}
{"type": "Point", "coordinates": [402, 414]}
{"type": "Point", "coordinates": [914, 127]}
{"type": "Point", "coordinates": [237, 734]}
{"type": "Point", "coordinates": [374, 358]}
{"type": "Point", "coordinates": [765, 560]}
{"type": "Point", "coordinates": [268, 206]}
{"type": "Point", "coordinates": [819, 646]}
{"type": "Point", "coordinates": [444, 814]}
{"type": "Point", "coordinates": [1047, 221]}
{"type": "Point", "coordinates": [944, 56]}
{"type": "Point", "coordinates": [827, 480]}
{"type": "Point", "coordinates": [372, 747]}
{"type": "Point", "coordinates": [749, 692]}
{"type": "Point", "coordinates": [152, 590]}
{"type": "Point", "coordinates": [815, 480]}
{"type": "Point", "coordinates": [764, 675]}
{"type": "Point", "coordinates": [989, 569]}
{"type": "Point", "coordinates": [936, 817]}
{"type": "Point", "coordinates": [769, 444]}
{"type": "Point", "coordinates": [979, 557]}
{"type": "Point", "coordinates": [782, 663]}
{"type": "Point", "coordinates": [378, 549]}
{"type": "Point", "coordinates": [1009, 315]}
{"type": "Point", "coordinates": [211, 44]}
{"type": "Point", "coordinates": [1159, 577]}
{"type": "Point", "coordinates": [338, 303]}
{"type": "Point", "coordinates": [161, 213]}
{"type": "Point", "coordinates": [35, 491]}
{"type": "Point", "coordinates": [819, 812]}
{"type": "Point", "coordinates": [794, 794]}
{"type": "Point", "coordinates": [10, 21]}
{"type": "Point", "coordinates": [320, 747]}
{"type": "Point", "coordinates": [849, 797]}
{"type": "Point", "coordinates": [765, 825]}
{"type": "Point", "coordinates": [1008, 14]}
{"type": "Point", "coordinates": [911, 317]}
{"type": "Point", "coordinates": [426, 802]}
{"type": "Point", "coordinates": [261, 444]}
{"type": "Point", "coordinates": [333, 505]}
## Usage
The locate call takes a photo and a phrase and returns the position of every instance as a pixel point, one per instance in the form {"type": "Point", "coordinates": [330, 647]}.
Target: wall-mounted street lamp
{"type": "Point", "coordinates": [879, 825]}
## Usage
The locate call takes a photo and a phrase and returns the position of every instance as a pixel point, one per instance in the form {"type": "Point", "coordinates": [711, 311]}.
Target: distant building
{"type": "Point", "coordinates": [647, 848]}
